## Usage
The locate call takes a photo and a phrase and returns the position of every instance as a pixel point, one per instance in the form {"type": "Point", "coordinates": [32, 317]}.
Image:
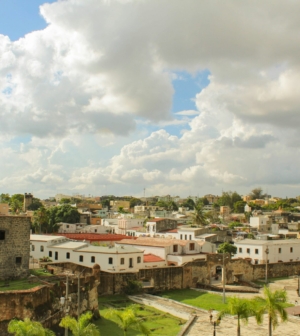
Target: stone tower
{"type": "Point", "coordinates": [28, 199]}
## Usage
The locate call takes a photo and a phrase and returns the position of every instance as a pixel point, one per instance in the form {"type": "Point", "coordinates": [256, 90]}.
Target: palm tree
{"type": "Point", "coordinates": [273, 303]}
{"type": "Point", "coordinates": [28, 328]}
{"type": "Point", "coordinates": [199, 217]}
{"type": "Point", "coordinates": [240, 307]}
{"type": "Point", "coordinates": [127, 318]}
{"type": "Point", "coordinates": [82, 326]}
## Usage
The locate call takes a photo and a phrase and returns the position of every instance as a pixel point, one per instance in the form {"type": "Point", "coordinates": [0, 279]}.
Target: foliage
{"type": "Point", "coordinates": [127, 318]}
{"type": "Point", "coordinates": [233, 225]}
{"type": "Point", "coordinates": [229, 198]}
{"type": "Point", "coordinates": [40, 220]}
{"type": "Point", "coordinates": [132, 287]}
{"type": "Point", "coordinates": [16, 202]}
{"type": "Point", "coordinates": [4, 198]}
{"type": "Point", "coordinates": [121, 210]}
{"type": "Point", "coordinates": [198, 216]}
{"type": "Point", "coordinates": [257, 193]}
{"type": "Point", "coordinates": [65, 201]}
{"type": "Point", "coordinates": [213, 216]}
{"type": "Point", "coordinates": [239, 207]}
{"type": "Point", "coordinates": [254, 206]}
{"type": "Point", "coordinates": [203, 200]}
{"type": "Point", "coordinates": [82, 326]}
{"type": "Point", "coordinates": [242, 308]}
{"type": "Point", "coordinates": [36, 204]}
{"type": "Point", "coordinates": [189, 203]}
{"type": "Point", "coordinates": [273, 303]}
{"type": "Point", "coordinates": [250, 236]}
{"type": "Point", "coordinates": [45, 259]}
{"type": "Point", "coordinates": [227, 248]}
{"type": "Point", "coordinates": [28, 328]}
{"type": "Point", "coordinates": [135, 201]}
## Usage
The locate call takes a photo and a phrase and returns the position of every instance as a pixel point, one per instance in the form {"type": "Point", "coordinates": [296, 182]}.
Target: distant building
{"type": "Point", "coordinates": [4, 209]}
{"type": "Point", "coordinates": [28, 199]}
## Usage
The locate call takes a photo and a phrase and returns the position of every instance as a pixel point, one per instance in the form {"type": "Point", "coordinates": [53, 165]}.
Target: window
{"type": "Point", "coordinates": [291, 259]}
{"type": "Point", "coordinates": [81, 258]}
{"type": "Point", "coordinates": [18, 260]}
{"type": "Point", "coordinates": [92, 259]}
{"type": "Point", "coordinates": [122, 262]}
{"type": "Point", "coordinates": [110, 261]}
{"type": "Point", "coordinates": [139, 260]}
{"type": "Point", "coordinates": [2, 234]}
{"type": "Point", "coordinates": [279, 250]}
{"type": "Point", "coordinates": [185, 237]}
{"type": "Point", "coordinates": [192, 246]}
{"type": "Point", "coordinates": [68, 226]}
{"type": "Point", "coordinates": [291, 249]}
{"type": "Point", "coordinates": [50, 254]}
{"type": "Point", "coordinates": [256, 251]}
{"type": "Point", "coordinates": [240, 250]}
{"type": "Point", "coordinates": [42, 248]}
{"type": "Point", "coordinates": [181, 236]}
{"type": "Point", "coordinates": [248, 250]}
{"type": "Point", "coordinates": [256, 262]}
{"type": "Point", "coordinates": [175, 248]}
{"type": "Point", "coordinates": [190, 237]}
{"type": "Point", "coordinates": [32, 247]}
{"type": "Point", "coordinates": [68, 255]}
{"type": "Point", "coordinates": [56, 255]}
{"type": "Point", "coordinates": [130, 262]}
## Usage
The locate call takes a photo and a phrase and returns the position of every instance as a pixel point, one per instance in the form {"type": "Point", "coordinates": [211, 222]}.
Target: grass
{"type": "Point", "coordinates": [158, 322]}
{"type": "Point", "coordinates": [40, 272]}
{"type": "Point", "coordinates": [194, 298]}
{"type": "Point", "coordinates": [202, 300]}
{"type": "Point", "coordinates": [262, 282]}
{"type": "Point", "coordinates": [18, 285]}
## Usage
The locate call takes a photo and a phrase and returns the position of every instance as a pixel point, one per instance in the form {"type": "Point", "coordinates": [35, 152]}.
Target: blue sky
{"type": "Point", "coordinates": [19, 17]}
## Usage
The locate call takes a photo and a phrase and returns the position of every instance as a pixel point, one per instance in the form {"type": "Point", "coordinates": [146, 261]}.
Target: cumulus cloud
{"type": "Point", "coordinates": [88, 90]}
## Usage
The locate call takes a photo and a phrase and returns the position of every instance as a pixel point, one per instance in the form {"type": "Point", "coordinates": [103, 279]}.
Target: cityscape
{"type": "Point", "coordinates": [149, 180]}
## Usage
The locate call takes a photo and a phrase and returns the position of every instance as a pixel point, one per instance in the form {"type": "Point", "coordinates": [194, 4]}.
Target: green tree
{"type": "Point", "coordinates": [198, 216]}
{"type": "Point", "coordinates": [135, 201]}
{"type": "Point", "coordinates": [4, 198]}
{"type": "Point", "coordinates": [66, 214]}
{"type": "Point", "coordinates": [257, 193]}
{"type": "Point", "coordinates": [36, 204]}
{"type": "Point", "coordinates": [172, 206]}
{"type": "Point", "coordinates": [189, 203]}
{"type": "Point", "coordinates": [65, 201]}
{"type": "Point", "coordinates": [272, 303]}
{"type": "Point", "coordinates": [28, 328]}
{"type": "Point", "coordinates": [233, 225]}
{"type": "Point", "coordinates": [41, 220]}
{"type": "Point", "coordinates": [162, 204]}
{"type": "Point", "coordinates": [82, 326]}
{"type": "Point", "coordinates": [127, 319]}
{"type": "Point", "coordinates": [229, 198]}
{"type": "Point", "coordinates": [239, 207]}
{"type": "Point", "coordinates": [242, 308]}
{"type": "Point", "coordinates": [227, 248]}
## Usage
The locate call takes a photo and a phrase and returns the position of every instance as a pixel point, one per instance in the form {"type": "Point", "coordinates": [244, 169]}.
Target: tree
{"type": "Point", "coordinates": [162, 204]}
{"type": "Point", "coordinates": [199, 217]}
{"type": "Point", "coordinates": [65, 201]}
{"type": "Point", "coordinates": [257, 193]}
{"type": "Point", "coordinates": [4, 198]}
{"type": "Point", "coordinates": [203, 200]}
{"type": "Point", "coordinates": [239, 207]}
{"type": "Point", "coordinates": [135, 201]}
{"type": "Point", "coordinates": [233, 225]}
{"type": "Point", "coordinates": [127, 318]}
{"type": "Point", "coordinates": [229, 198]}
{"type": "Point", "coordinates": [28, 328]}
{"type": "Point", "coordinates": [36, 204]}
{"type": "Point", "coordinates": [171, 205]}
{"type": "Point", "coordinates": [41, 220]}
{"type": "Point", "coordinates": [67, 214]}
{"type": "Point", "coordinates": [82, 326]}
{"type": "Point", "coordinates": [189, 203]}
{"type": "Point", "coordinates": [242, 308]}
{"type": "Point", "coordinates": [273, 303]}
{"type": "Point", "coordinates": [227, 248]}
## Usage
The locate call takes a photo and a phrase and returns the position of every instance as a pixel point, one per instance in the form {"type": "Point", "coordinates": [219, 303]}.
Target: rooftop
{"type": "Point", "coordinates": [95, 236]}
{"type": "Point", "coordinates": [112, 249]}
{"type": "Point", "coordinates": [158, 242]}
{"type": "Point", "coordinates": [267, 242]}
{"type": "Point", "coordinates": [152, 258]}
{"type": "Point", "coordinates": [45, 238]}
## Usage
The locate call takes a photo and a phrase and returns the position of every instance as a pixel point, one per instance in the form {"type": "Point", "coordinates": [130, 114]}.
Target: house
{"type": "Point", "coordinates": [4, 209]}
{"type": "Point", "coordinates": [173, 251]}
{"type": "Point", "coordinates": [110, 258]}
{"type": "Point", "coordinates": [125, 224]}
{"type": "Point", "coordinates": [70, 228]}
{"type": "Point", "coordinates": [260, 223]}
{"type": "Point", "coordinates": [157, 225]}
{"type": "Point", "coordinates": [272, 250]}
{"type": "Point", "coordinates": [224, 210]}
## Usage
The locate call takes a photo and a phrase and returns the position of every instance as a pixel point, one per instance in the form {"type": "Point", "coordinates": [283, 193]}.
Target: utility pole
{"type": "Point", "coordinates": [267, 252]}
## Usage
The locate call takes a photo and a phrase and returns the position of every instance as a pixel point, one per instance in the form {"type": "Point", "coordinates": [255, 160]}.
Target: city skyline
{"type": "Point", "coordinates": [111, 97]}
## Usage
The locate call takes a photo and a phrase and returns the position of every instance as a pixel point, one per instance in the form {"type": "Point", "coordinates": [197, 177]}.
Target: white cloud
{"type": "Point", "coordinates": [87, 92]}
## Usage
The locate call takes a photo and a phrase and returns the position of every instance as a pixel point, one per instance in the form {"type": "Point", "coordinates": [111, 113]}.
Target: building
{"type": "Point", "coordinates": [125, 224]}
{"type": "Point", "coordinates": [4, 209]}
{"type": "Point", "coordinates": [110, 258]}
{"type": "Point", "coordinates": [211, 198]}
{"type": "Point", "coordinates": [224, 210]}
{"type": "Point", "coordinates": [116, 204]}
{"type": "Point", "coordinates": [157, 225]}
{"type": "Point", "coordinates": [14, 246]}
{"type": "Point", "coordinates": [28, 199]}
{"type": "Point", "coordinates": [261, 223]}
{"type": "Point", "coordinates": [272, 250]}
{"type": "Point", "coordinates": [174, 252]}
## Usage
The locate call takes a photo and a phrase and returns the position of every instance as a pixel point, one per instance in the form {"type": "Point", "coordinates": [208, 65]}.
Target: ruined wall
{"type": "Point", "coordinates": [14, 246]}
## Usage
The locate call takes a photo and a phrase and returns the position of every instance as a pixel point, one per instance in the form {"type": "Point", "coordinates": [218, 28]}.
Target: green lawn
{"type": "Point", "coordinates": [158, 322]}
{"type": "Point", "coordinates": [194, 298]}
{"type": "Point", "coordinates": [18, 285]}
{"type": "Point", "coordinates": [40, 272]}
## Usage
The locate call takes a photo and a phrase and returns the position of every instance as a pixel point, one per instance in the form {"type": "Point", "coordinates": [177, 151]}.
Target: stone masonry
{"type": "Point", "coordinates": [14, 247]}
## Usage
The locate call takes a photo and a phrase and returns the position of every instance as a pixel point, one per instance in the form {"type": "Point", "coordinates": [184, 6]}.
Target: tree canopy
{"type": "Point", "coordinates": [28, 328]}
{"type": "Point", "coordinates": [229, 198]}
{"type": "Point", "coordinates": [82, 326]}
{"type": "Point", "coordinates": [227, 248]}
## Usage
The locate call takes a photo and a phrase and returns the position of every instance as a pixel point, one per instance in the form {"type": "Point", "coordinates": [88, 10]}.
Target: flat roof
{"type": "Point", "coordinates": [267, 242]}
{"type": "Point", "coordinates": [37, 237]}
{"type": "Point", "coordinates": [113, 249]}
{"type": "Point", "coordinates": [69, 245]}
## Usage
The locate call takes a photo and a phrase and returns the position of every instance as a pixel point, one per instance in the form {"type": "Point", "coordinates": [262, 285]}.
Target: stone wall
{"type": "Point", "coordinates": [14, 246]}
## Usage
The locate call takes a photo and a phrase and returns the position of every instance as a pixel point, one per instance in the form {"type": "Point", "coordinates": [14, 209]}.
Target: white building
{"type": "Point", "coordinates": [260, 223]}
{"type": "Point", "coordinates": [172, 251]}
{"type": "Point", "coordinates": [110, 259]}
{"type": "Point", "coordinates": [125, 224]}
{"type": "Point", "coordinates": [273, 250]}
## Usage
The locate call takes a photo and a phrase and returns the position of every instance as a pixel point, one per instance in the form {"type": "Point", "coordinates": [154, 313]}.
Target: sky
{"type": "Point", "coordinates": [178, 97]}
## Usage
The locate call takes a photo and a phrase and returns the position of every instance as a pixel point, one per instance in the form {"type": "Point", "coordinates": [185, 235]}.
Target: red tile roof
{"type": "Point", "coordinates": [95, 236]}
{"type": "Point", "coordinates": [152, 258]}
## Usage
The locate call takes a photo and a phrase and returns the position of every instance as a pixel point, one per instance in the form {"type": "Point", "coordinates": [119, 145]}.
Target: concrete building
{"type": "Point", "coordinates": [14, 246]}
{"type": "Point", "coordinates": [272, 250]}
{"type": "Point", "coordinates": [110, 259]}
{"type": "Point", "coordinates": [28, 199]}
{"type": "Point", "coordinates": [4, 209]}
{"type": "Point", "coordinates": [224, 210]}
{"type": "Point", "coordinates": [126, 224]}
{"type": "Point", "coordinates": [157, 225]}
{"type": "Point", "coordinates": [261, 223]}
